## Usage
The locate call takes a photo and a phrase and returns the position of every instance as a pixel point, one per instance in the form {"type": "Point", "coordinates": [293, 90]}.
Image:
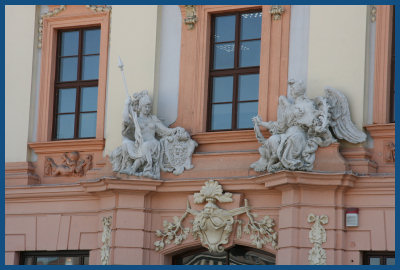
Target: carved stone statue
{"type": "Point", "coordinates": [148, 145]}
{"type": "Point", "coordinates": [302, 126]}
{"type": "Point", "coordinates": [71, 165]}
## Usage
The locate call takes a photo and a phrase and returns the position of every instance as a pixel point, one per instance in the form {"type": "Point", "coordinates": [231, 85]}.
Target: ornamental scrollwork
{"type": "Point", "coordinates": [317, 236]}
{"type": "Point", "coordinates": [191, 16]}
{"type": "Point", "coordinates": [276, 12]}
{"type": "Point", "coordinates": [106, 240]}
{"type": "Point", "coordinates": [390, 152]}
{"type": "Point", "coordinates": [213, 225]}
{"type": "Point", "coordinates": [47, 14]}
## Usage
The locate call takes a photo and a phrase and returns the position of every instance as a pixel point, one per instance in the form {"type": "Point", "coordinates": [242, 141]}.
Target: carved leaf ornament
{"type": "Point", "coordinates": [317, 236]}
{"type": "Point", "coordinates": [214, 225]}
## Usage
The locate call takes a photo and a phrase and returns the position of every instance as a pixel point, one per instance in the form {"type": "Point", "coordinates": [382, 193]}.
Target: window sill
{"type": "Point", "coordinates": [52, 147]}
{"type": "Point", "coordinates": [235, 140]}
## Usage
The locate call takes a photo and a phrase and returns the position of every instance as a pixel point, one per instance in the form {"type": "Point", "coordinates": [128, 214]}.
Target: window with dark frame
{"type": "Point", "coordinates": [234, 70]}
{"type": "Point", "coordinates": [378, 258]}
{"type": "Point", "coordinates": [66, 257]}
{"type": "Point", "coordinates": [76, 84]}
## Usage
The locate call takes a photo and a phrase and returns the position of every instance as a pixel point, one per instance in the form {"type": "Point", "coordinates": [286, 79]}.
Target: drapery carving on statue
{"type": "Point", "coordinates": [71, 165]}
{"type": "Point", "coordinates": [148, 145]}
{"type": "Point", "coordinates": [302, 126]}
{"type": "Point", "coordinates": [214, 225]}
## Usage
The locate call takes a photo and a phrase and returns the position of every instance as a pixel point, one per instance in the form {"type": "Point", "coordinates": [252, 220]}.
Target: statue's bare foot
{"type": "Point", "coordinates": [125, 171]}
{"type": "Point", "coordinates": [259, 166]}
{"type": "Point", "coordinates": [147, 174]}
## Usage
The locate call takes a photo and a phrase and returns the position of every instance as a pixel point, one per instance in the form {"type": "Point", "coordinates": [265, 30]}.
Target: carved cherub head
{"type": "Point", "coordinates": [74, 156]}
{"type": "Point", "coordinates": [296, 88]}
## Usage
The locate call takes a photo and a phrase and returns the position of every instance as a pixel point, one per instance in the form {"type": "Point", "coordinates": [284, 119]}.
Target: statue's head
{"type": "Point", "coordinates": [296, 88]}
{"type": "Point", "coordinates": [74, 156]}
{"type": "Point", "coordinates": [145, 105]}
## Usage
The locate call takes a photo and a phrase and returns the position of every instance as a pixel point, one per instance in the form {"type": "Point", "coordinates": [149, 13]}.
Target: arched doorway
{"type": "Point", "coordinates": [237, 255]}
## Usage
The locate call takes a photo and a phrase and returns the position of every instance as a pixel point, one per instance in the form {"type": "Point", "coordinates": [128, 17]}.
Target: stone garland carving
{"type": "Point", "coordinates": [276, 12]}
{"type": "Point", "coordinates": [47, 14]}
{"type": "Point", "coordinates": [99, 8]}
{"type": "Point", "coordinates": [390, 152]}
{"type": "Point", "coordinates": [214, 225]}
{"type": "Point", "coordinates": [71, 165]}
{"type": "Point", "coordinates": [317, 236]}
{"type": "Point", "coordinates": [106, 240]}
{"type": "Point", "coordinates": [95, 8]}
{"type": "Point", "coordinates": [302, 126]}
{"type": "Point", "coordinates": [191, 16]}
{"type": "Point", "coordinates": [148, 146]}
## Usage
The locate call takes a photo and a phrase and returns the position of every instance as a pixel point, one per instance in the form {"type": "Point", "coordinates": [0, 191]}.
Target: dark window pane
{"type": "Point", "coordinates": [249, 53]}
{"type": "Point", "coordinates": [65, 126]}
{"type": "Point", "coordinates": [69, 43]}
{"type": "Point", "coordinates": [87, 125]}
{"type": "Point", "coordinates": [66, 100]}
{"type": "Point", "coordinates": [69, 260]}
{"type": "Point", "coordinates": [68, 69]}
{"type": "Point", "coordinates": [47, 261]}
{"type": "Point", "coordinates": [374, 261]}
{"type": "Point", "coordinates": [91, 41]}
{"type": "Point", "coordinates": [90, 67]}
{"type": "Point", "coordinates": [221, 117]}
{"type": "Point", "coordinates": [250, 25]}
{"type": "Point", "coordinates": [225, 28]}
{"type": "Point", "coordinates": [224, 55]}
{"type": "Point", "coordinates": [88, 99]}
{"type": "Point", "coordinates": [246, 111]}
{"type": "Point", "coordinates": [222, 89]}
{"type": "Point", "coordinates": [28, 260]}
{"type": "Point", "coordinates": [248, 87]}
{"type": "Point", "coordinates": [390, 261]}
{"type": "Point", "coordinates": [86, 260]}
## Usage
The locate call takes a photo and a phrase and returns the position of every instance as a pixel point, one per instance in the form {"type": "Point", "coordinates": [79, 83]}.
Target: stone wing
{"type": "Point", "coordinates": [341, 123]}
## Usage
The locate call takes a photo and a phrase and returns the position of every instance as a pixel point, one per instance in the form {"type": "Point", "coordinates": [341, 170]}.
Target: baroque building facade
{"type": "Point", "coordinates": [99, 172]}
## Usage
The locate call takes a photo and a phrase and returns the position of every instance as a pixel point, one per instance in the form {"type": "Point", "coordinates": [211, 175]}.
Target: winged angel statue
{"type": "Point", "coordinates": [302, 126]}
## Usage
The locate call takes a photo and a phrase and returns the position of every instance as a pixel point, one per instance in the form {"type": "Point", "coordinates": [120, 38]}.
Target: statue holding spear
{"type": "Point", "coordinates": [147, 144]}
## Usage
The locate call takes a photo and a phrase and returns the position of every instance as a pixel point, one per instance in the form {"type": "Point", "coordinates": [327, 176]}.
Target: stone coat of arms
{"type": "Point", "coordinates": [213, 225]}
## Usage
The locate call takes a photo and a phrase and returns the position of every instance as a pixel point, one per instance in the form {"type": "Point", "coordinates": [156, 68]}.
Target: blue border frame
{"type": "Point", "coordinates": [153, 2]}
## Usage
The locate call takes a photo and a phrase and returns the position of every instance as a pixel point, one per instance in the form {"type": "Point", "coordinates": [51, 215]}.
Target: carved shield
{"type": "Point", "coordinates": [177, 153]}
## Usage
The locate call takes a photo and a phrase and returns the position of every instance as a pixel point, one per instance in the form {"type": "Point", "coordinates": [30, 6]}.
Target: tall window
{"type": "Point", "coordinates": [379, 258]}
{"type": "Point", "coordinates": [234, 70]}
{"type": "Point", "coordinates": [76, 84]}
{"type": "Point", "coordinates": [67, 257]}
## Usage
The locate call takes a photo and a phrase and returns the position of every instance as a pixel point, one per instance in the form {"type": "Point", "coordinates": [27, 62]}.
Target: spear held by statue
{"type": "Point", "coordinates": [132, 113]}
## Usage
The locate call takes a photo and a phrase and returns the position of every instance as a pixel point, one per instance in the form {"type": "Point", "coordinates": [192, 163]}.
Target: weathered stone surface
{"type": "Point", "coordinates": [302, 126]}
